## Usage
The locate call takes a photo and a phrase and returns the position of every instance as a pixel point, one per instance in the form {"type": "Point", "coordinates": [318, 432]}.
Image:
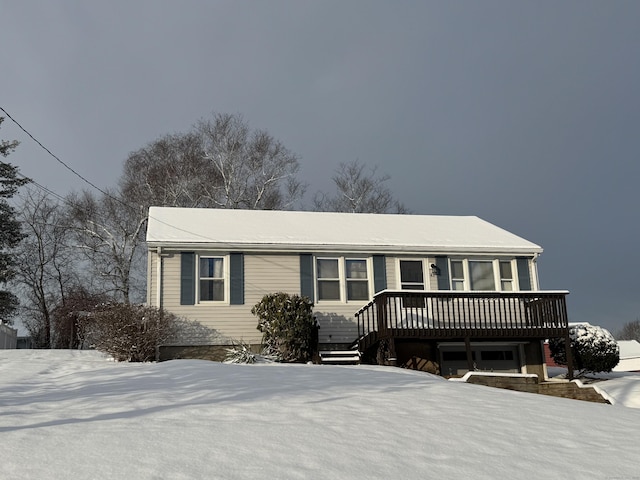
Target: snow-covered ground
{"type": "Point", "coordinates": [70, 414]}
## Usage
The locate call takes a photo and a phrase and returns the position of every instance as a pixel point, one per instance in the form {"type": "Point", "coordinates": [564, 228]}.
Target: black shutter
{"type": "Point", "coordinates": [306, 275]}
{"type": "Point", "coordinates": [236, 283]}
{"type": "Point", "coordinates": [379, 273]}
{"type": "Point", "coordinates": [444, 282]}
{"type": "Point", "coordinates": [524, 275]}
{"type": "Point", "coordinates": [187, 278]}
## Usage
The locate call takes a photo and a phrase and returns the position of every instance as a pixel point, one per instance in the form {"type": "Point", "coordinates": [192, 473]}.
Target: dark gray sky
{"type": "Point", "coordinates": [526, 114]}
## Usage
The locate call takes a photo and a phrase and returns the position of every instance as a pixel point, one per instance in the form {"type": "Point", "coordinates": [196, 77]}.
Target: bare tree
{"type": "Point", "coordinates": [109, 232]}
{"type": "Point", "coordinates": [221, 163]}
{"type": "Point", "coordinates": [46, 264]}
{"type": "Point", "coordinates": [630, 331]}
{"type": "Point", "coordinates": [256, 171]}
{"type": "Point", "coordinates": [172, 171]}
{"type": "Point", "coordinates": [359, 189]}
{"type": "Point", "coordinates": [70, 318]}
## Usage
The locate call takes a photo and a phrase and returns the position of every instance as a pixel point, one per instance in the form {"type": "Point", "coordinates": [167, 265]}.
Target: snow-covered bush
{"type": "Point", "coordinates": [240, 352]}
{"type": "Point", "coordinates": [289, 330]}
{"type": "Point", "coordinates": [130, 332]}
{"type": "Point", "coordinates": [593, 348]}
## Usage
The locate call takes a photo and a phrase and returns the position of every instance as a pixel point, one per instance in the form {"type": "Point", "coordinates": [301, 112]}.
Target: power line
{"type": "Point", "coordinates": [54, 155]}
{"type": "Point", "coordinates": [51, 192]}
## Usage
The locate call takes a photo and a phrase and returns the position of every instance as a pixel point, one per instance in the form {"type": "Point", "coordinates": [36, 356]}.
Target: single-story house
{"type": "Point", "coordinates": [456, 292]}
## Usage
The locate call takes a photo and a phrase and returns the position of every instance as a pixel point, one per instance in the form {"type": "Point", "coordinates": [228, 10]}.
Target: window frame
{"type": "Point", "coordinates": [225, 279]}
{"type": "Point", "coordinates": [497, 274]}
{"type": "Point", "coordinates": [425, 277]}
{"type": "Point", "coordinates": [343, 281]}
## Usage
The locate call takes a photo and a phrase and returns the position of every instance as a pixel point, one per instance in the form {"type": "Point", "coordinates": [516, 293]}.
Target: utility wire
{"type": "Point", "coordinates": [54, 155]}
{"type": "Point", "coordinates": [130, 207]}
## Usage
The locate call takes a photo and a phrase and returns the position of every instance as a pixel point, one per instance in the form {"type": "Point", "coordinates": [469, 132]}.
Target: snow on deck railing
{"type": "Point", "coordinates": [446, 311]}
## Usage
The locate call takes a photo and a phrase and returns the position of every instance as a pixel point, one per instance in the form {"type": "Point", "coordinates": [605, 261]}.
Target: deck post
{"type": "Point", "coordinates": [380, 304]}
{"type": "Point", "coordinates": [393, 359]}
{"type": "Point", "coordinates": [569, 354]}
{"type": "Point", "coordinates": [467, 346]}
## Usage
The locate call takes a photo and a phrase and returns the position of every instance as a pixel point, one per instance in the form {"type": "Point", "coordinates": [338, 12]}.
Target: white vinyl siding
{"type": "Point", "coordinates": [263, 274]}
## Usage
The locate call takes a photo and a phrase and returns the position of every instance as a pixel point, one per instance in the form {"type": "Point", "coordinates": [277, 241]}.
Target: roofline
{"type": "Point", "coordinates": [301, 248]}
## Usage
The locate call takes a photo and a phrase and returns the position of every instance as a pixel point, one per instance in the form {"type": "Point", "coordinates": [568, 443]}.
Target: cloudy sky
{"type": "Point", "coordinates": [526, 114]}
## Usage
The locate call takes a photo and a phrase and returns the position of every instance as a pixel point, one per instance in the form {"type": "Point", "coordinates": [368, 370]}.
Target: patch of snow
{"type": "Point", "coordinates": [76, 414]}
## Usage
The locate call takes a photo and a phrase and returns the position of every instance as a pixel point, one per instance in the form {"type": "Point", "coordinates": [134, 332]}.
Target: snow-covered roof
{"type": "Point", "coordinates": [324, 231]}
{"type": "Point", "coordinates": [629, 349]}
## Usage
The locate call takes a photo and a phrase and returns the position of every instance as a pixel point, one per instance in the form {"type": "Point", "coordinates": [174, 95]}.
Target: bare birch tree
{"type": "Point", "coordinates": [256, 171]}
{"type": "Point", "coordinates": [172, 171]}
{"type": "Point", "coordinates": [359, 189]}
{"type": "Point", "coordinates": [109, 232]}
{"type": "Point", "coordinates": [220, 163]}
{"type": "Point", "coordinates": [46, 263]}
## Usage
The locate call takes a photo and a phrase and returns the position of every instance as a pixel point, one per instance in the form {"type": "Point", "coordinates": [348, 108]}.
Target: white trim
{"type": "Point", "coordinates": [497, 280]}
{"type": "Point", "coordinates": [426, 267]}
{"type": "Point", "coordinates": [225, 278]}
{"type": "Point", "coordinates": [342, 278]}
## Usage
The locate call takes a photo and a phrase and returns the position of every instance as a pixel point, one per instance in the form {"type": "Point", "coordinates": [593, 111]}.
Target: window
{"type": "Point", "coordinates": [411, 276]}
{"type": "Point", "coordinates": [357, 282]}
{"type": "Point", "coordinates": [211, 276]}
{"type": "Point", "coordinates": [481, 276]}
{"type": "Point", "coordinates": [342, 278]}
{"type": "Point", "coordinates": [328, 279]}
{"type": "Point", "coordinates": [457, 275]}
{"type": "Point", "coordinates": [506, 276]}
{"type": "Point", "coordinates": [497, 355]}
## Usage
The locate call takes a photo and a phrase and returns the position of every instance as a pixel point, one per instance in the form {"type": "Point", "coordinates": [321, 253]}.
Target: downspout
{"type": "Point", "coordinates": [534, 271]}
{"type": "Point", "coordinates": [159, 278]}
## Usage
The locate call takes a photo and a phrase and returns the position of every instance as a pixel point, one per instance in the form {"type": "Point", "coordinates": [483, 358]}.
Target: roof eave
{"type": "Point", "coordinates": [309, 247]}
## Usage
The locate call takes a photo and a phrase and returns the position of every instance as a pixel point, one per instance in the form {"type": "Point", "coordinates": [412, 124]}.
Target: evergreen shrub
{"type": "Point", "coordinates": [289, 330]}
{"type": "Point", "coordinates": [593, 348]}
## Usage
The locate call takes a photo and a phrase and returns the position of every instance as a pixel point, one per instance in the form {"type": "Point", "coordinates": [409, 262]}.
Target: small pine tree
{"type": "Point", "coordinates": [288, 326]}
{"type": "Point", "coordinates": [593, 349]}
{"type": "Point", "coordinates": [10, 234]}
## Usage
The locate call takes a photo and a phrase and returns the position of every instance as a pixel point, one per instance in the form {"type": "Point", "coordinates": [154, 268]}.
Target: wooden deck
{"type": "Point", "coordinates": [457, 315]}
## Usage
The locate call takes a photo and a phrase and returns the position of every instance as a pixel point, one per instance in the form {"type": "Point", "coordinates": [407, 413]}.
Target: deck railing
{"type": "Point", "coordinates": [456, 314]}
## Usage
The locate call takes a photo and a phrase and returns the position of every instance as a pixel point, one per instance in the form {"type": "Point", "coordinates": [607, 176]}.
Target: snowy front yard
{"type": "Point", "coordinates": [71, 414]}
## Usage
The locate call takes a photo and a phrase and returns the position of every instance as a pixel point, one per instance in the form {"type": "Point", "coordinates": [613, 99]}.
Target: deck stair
{"type": "Point", "coordinates": [340, 357]}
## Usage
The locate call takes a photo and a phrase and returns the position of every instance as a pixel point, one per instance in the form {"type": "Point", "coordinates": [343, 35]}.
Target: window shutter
{"type": "Point", "coordinates": [524, 275]}
{"type": "Point", "coordinates": [187, 278]}
{"type": "Point", "coordinates": [306, 275]}
{"type": "Point", "coordinates": [379, 273]}
{"type": "Point", "coordinates": [236, 282]}
{"type": "Point", "coordinates": [444, 282]}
